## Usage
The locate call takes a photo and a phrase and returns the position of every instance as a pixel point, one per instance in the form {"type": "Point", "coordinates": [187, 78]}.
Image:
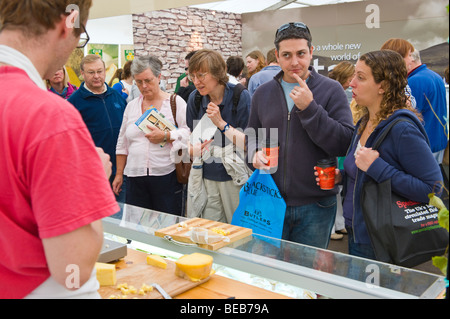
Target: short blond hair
{"type": "Point", "coordinates": [65, 80]}
{"type": "Point", "coordinates": [90, 58]}
{"type": "Point", "coordinates": [342, 72]}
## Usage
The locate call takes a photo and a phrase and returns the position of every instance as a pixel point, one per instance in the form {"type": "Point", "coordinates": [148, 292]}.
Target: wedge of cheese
{"type": "Point", "coordinates": [194, 267]}
{"type": "Point", "coordinates": [157, 261]}
{"type": "Point", "coordinates": [106, 274]}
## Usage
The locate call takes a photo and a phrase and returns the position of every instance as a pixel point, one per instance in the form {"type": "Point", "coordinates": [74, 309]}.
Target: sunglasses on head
{"type": "Point", "coordinates": [299, 25]}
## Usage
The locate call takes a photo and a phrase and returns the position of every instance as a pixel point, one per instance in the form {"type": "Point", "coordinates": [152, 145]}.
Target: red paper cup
{"type": "Point", "coordinates": [271, 150]}
{"type": "Point", "coordinates": [327, 173]}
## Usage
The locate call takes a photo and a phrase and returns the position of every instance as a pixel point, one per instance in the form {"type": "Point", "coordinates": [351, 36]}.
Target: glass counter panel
{"type": "Point", "coordinates": [368, 272]}
{"type": "Point", "coordinates": [290, 262]}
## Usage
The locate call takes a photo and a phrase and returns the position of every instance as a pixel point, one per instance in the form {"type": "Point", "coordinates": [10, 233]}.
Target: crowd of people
{"type": "Point", "coordinates": [81, 145]}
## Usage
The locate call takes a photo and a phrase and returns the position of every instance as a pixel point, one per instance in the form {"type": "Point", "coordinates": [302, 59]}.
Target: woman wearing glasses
{"type": "Point", "coordinates": [149, 166]}
{"type": "Point", "coordinates": [214, 97]}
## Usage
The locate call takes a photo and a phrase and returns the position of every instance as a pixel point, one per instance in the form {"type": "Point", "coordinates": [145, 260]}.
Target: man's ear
{"type": "Point", "coordinates": [73, 19]}
{"type": "Point", "coordinates": [69, 22]}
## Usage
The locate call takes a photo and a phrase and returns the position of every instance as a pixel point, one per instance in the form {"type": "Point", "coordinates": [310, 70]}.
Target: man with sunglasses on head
{"type": "Point", "coordinates": [54, 187]}
{"type": "Point", "coordinates": [314, 122]}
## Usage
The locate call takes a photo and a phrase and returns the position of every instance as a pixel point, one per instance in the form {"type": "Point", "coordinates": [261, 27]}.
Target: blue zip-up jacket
{"type": "Point", "coordinates": [262, 76]}
{"type": "Point", "coordinates": [429, 88]}
{"type": "Point", "coordinates": [321, 131]}
{"type": "Point", "coordinates": [405, 158]}
{"type": "Point", "coordinates": [103, 114]}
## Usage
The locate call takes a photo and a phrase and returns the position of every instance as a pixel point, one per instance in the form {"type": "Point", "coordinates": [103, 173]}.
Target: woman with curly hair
{"type": "Point", "coordinates": [404, 156]}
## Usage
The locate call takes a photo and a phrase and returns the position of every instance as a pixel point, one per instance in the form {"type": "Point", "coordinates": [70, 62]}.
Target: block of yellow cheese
{"type": "Point", "coordinates": [194, 267]}
{"type": "Point", "coordinates": [106, 274]}
{"type": "Point", "coordinates": [156, 261]}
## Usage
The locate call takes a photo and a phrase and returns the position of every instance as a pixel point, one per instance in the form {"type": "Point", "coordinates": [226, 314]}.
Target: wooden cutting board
{"type": "Point", "coordinates": [141, 273]}
{"type": "Point", "coordinates": [182, 234]}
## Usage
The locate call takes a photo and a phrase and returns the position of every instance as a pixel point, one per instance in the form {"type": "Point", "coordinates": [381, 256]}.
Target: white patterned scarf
{"type": "Point", "coordinates": [15, 58]}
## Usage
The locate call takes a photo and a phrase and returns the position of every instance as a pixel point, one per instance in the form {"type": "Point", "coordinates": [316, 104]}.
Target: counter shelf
{"type": "Point", "coordinates": [325, 272]}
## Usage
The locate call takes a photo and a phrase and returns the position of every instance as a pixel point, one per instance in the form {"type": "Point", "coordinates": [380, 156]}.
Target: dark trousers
{"type": "Point", "coordinates": [159, 193]}
{"type": "Point", "coordinates": [121, 197]}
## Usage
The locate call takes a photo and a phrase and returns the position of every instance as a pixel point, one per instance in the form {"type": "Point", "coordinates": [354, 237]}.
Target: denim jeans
{"type": "Point", "coordinates": [359, 250]}
{"type": "Point", "coordinates": [358, 268]}
{"type": "Point", "coordinates": [311, 224]}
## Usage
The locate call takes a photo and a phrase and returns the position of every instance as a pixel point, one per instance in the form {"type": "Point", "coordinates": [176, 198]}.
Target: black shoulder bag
{"type": "Point", "coordinates": [402, 232]}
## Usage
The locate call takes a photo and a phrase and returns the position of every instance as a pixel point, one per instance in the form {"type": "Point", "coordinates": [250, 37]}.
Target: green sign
{"type": "Point", "coordinates": [129, 55]}
{"type": "Point", "coordinates": [99, 52]}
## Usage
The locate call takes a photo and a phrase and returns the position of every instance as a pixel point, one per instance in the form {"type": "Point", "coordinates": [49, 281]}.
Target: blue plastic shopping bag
{"type": "Point", "coordinates": [261, 206]}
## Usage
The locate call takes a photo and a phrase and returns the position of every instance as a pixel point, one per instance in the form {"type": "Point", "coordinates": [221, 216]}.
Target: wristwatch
{"type": "Point", "coordinates": [165, 137]}
{"type": "Point", "coordinates": [226, 128]}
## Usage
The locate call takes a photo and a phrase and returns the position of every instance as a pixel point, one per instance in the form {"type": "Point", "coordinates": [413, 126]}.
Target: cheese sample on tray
{"type": "Point", "coordinates": [157, 261]}
{"type": "Point", "coordinates": [106, 274]}
{"type": "Point", "coordinates": [194, 267]}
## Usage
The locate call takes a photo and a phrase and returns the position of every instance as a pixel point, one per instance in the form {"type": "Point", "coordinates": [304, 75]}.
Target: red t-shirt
{"type": "Point", "coordinates": [51, 179]}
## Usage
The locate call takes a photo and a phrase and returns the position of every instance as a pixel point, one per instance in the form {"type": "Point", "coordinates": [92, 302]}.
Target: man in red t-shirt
{"type": "Point", "coordinates": [54, 183]}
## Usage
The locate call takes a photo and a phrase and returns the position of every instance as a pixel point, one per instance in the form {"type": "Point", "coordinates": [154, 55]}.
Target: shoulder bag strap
{"type": "Point", "coordinates": [385, 132]}
{"type": "Point", "coordinates": [173, 104]}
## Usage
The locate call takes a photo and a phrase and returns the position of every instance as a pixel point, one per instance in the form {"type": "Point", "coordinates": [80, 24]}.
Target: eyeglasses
{"type": "Point", "coordinates": [299, 25]}
{"type": "Point", "coordinates": [200, 76]}
{"type": "Point", "coordinates": [93, 73]}
{"type": "Point", "coordinates": [84, 38]}
{"type": "Point", "coordinates": [146, 81]}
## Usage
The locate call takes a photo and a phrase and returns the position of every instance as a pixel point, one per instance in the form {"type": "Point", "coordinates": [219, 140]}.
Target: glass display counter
{"type": "Point", "coordinates": [325, 272]}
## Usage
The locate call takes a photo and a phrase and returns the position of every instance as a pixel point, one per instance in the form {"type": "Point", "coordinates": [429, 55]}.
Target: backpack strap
{"type": "Point", "coordinates": [197, 101]}
{"type": "Point", "coordinates": [236, 96]}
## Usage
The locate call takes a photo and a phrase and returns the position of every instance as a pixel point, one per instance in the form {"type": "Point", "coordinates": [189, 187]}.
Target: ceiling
{"type": "Point", "coordinates": [240, 6]}
{"type": "Point", "coordinates": [111, 8]}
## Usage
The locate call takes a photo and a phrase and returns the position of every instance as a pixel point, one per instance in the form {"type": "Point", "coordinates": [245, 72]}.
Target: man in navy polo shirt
{"type": "Point", "coordinates": [101, 107]}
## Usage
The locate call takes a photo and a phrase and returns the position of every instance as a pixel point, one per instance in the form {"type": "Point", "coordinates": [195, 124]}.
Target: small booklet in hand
{"type": "Point", "coordinates": [154, 118]}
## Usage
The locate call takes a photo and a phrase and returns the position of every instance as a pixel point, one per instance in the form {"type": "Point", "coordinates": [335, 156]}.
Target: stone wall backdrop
{"type": "Point", "coordinates": [173, 33]}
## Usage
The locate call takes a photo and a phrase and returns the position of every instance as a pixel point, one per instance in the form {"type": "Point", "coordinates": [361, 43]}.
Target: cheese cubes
{"type": "Point", "coordinates": [106, 274]}
{"type": "Point", "coordinates": [220, 231]}
{"type": "Point", "coordinates": [157, 261]}
{"type": "Point", "coordinates": [194, 267]}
